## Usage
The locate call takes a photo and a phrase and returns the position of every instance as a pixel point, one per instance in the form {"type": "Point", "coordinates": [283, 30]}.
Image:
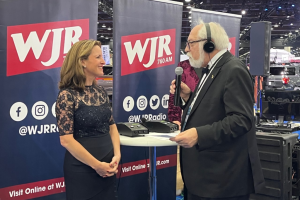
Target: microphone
{"type": "Point", "coordinates": [178, 72]}
{"type": "Point", "coordinates": [144, 120]}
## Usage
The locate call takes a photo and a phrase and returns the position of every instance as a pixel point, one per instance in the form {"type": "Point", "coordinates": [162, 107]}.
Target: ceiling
{"type": "Point", "coordinates": [284, 15]}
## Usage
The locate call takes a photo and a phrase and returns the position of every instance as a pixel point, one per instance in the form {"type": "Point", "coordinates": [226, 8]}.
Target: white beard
{"type": "Point", "coordinates": [197, 63]}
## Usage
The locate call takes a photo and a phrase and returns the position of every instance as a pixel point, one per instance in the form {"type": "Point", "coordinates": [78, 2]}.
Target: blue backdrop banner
{"type": "Point", "coordinates": [146, 52]}
{"type": "Point", "coordinates": [34, 38]}
{"type": "Point", "coordinates": [230, 22]}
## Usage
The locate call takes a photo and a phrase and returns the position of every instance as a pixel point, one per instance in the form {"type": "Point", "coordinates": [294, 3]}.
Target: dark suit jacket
{"type": "Point", "coordinates": [226, 162]}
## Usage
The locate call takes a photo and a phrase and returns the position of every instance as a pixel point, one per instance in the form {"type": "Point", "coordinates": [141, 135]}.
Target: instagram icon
{"type": "Point", "coordinates": [39, 110]}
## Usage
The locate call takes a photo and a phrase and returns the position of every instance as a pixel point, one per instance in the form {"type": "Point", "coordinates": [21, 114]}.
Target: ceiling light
{"type": "Point", "coordinates": [109, 28]}
{"type": "Point", "coordinates": [288, 16]}
{"type": "Point", "coordinates": [187, 0]}
{"type": "Point", "coordinates": [292, 24]}
{"type": "Point", "coordinates": [190, 21]}
{"type": "Point", "coordinates": [243, 12]}
{"type": "Point", "coordinates": [190, 17]}
{"type": "Point", "coordinates": [103, 26]}
{"type": "Point", "coordinates": [276, 25]}
{"type": "Point", "coordinates": [266, 9]}
{"type": "Point", "coordinates": [101, 36]}
{"type": "Point", "coordinates": [201, 2]}
{"type": "Point", "coordinates": [293, 5]}
{"type": "Point", "coordinates": [188, 7]}
{"type": "Point", "coordinates": [285, 35]}
{"type": "Point", "coordinates": [296, 31]}
{"type": "Point", "coordinates": [106, 37]}
{"type": "Point", "coordinates": [190, 12]}
{"type": "Point", "coordinates": [97, 22]}
{"type": "Point", "coordinates": [281, 37]}
{"type": "Point", "coordinates": [279, 7]}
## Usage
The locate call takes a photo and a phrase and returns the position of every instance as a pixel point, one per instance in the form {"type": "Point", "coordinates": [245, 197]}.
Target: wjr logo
{"type": "Point", "coordinates": [146, 51]}
{"type": "Point", "coordinates": [35, 47]}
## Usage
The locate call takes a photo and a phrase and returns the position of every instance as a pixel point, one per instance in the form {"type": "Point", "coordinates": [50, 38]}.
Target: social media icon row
{"type": "Point", "coordinates": [19, 111]}
{"type": "Point", "coordinates": [142, 102]}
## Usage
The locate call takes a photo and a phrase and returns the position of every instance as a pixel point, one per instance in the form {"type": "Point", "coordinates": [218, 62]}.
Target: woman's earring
{"type": "Point", "coordinates": [84, 66]}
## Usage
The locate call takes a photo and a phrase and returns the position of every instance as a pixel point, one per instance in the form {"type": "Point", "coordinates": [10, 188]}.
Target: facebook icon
{"type": "Point", "coordinates": [18, 111]}
{"type": "Point", "coordinates": [128, 103]}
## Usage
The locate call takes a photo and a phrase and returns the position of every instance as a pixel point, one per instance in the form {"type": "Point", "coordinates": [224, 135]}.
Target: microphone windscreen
{"type": "Point", "coordinates": [143, 120]}
{"type": "Point", "coordinates": [178, 70]}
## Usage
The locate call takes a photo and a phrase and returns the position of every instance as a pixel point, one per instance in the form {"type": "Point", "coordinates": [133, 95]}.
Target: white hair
{"type": "Point", "coordinates": [217, 33]}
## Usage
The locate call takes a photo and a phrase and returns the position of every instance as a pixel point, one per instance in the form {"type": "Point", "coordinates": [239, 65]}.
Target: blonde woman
{"type": "Point", "coordinates": [86, 126]}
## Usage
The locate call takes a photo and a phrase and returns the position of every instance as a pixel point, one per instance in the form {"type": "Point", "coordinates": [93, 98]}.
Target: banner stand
{"type": "Point", "coordinates": [147, 38]}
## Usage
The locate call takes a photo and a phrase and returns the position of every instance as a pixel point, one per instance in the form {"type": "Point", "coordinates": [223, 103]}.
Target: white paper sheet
{"type": "Point", "coordinates": [161, 136]}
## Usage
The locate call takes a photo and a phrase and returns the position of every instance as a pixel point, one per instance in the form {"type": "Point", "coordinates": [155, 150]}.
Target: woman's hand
{"type": "Point", "coordinates": [178, 123]}
{"type": "Point", "coordinates": [114, 164]}
{"type": "Point", "coordinates": [104, 169]}
{"type": "Point", "coordinates": [115, 161]}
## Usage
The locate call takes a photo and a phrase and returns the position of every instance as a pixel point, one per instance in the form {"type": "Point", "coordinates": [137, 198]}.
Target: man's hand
{"type": "Point", "coordinates": [178, 123]}
{"type": "Point", "coordinates": [186, 139]}
{"type": "Point", "coordinates": [184, 92]}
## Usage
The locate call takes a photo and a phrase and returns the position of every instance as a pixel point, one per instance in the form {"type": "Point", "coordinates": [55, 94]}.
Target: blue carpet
{"type": "Point", "coordinates": [297, 132]}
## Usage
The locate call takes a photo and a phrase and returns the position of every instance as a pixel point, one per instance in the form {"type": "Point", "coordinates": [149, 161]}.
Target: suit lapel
{"type": "Point", "coordinates": [212, 76]}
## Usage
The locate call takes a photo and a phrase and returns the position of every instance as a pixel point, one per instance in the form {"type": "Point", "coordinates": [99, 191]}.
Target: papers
{"type": "Point", "coordinates": [161, 136]}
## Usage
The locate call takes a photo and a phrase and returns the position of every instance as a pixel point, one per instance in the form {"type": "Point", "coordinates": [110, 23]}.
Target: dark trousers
{"type": "Point", "coordinates": [194, 197]}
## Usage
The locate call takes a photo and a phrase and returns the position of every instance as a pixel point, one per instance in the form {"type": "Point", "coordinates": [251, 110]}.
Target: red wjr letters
{"type": "Point", "coordinates": [36, 47]}
{"type": "Point", "coordinates": [147, 51]}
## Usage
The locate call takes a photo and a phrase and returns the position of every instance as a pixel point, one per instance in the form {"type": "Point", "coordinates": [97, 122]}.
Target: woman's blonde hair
{"type": "Point", "coordinates": [72, 74]}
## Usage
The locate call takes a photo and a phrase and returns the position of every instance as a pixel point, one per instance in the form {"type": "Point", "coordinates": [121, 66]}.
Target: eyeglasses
{"type": "Point", "coordinates": [188, 43]}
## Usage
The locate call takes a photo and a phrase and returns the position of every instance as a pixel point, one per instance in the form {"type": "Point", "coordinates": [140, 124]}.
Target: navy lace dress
{"type": "Point", "coordinates": [87, 115]}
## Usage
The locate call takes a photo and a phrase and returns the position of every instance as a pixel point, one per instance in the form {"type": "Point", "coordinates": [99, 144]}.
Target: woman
{"type": "Point", "coordinates": [86, 126]}
{"type": "Point", "coordinates": [191, 79]}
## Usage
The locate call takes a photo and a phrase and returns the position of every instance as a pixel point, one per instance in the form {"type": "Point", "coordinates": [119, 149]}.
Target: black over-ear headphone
{"type": "Point", "coordinates": [208, 46]}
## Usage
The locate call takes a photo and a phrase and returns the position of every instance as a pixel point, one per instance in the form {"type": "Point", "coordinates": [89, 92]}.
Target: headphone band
{"type": "Point", "coordinates": [209, 46]}
{"type": "Point", "coordinates": [208, 32]}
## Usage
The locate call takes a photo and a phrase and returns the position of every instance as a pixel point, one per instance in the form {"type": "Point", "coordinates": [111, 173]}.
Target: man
{"type": "Point", "coordinates": [219, 156]}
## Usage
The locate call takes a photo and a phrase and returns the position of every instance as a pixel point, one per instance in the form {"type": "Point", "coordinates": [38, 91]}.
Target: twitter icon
{"type": "Point", "coordinates": [154, 102]}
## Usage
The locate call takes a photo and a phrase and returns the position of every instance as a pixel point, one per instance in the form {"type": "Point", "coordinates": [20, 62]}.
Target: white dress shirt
{"type": "Point", "coordinates": [211, 65]}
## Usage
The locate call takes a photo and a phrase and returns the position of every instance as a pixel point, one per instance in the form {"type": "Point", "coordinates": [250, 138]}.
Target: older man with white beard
{"type": "Point", "coordinates": [219, 156]}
